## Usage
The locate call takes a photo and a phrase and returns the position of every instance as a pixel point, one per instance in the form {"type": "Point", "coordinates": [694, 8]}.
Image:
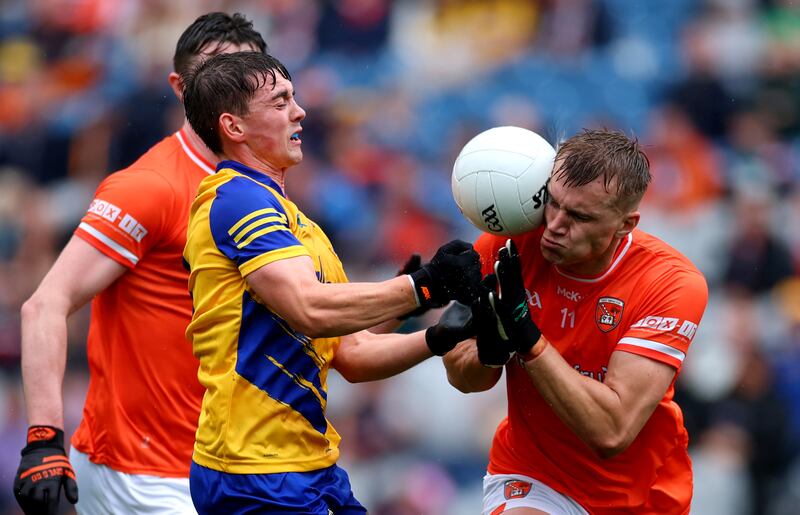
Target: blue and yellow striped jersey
{"type": "Point", "coordinates": [266, 393]}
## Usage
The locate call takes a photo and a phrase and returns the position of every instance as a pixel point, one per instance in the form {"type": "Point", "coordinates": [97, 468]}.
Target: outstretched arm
{"type": "Point", "coordinates": [79, 273]}
{"type": "Point", "coordinates": [365, 356]}
{"type": "Point", "coordinates": [290, 288]}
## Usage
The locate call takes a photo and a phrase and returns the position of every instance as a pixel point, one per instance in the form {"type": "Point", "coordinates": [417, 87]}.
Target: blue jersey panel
{"type": "Point", "coordinates": [248, 221]}
{"type": "Point", "coordinates": [275, 359]}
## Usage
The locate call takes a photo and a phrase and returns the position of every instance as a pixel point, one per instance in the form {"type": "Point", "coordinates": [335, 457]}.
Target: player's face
{"type": "Point", "coordinates": [582, 226]}
{"type": "Point", "coordinates": [273, 126]}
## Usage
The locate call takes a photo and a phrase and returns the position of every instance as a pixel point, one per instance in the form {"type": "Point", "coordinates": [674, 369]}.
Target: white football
{"type": "Point", "coordinates": [500, 180]}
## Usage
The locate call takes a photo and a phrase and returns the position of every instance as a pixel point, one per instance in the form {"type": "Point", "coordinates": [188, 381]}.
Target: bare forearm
{"type": "Point", "coordinates": [366, 356]}
{"type": "Point", "coordinates": [388, 326]}
{"type": "Point", "coordinates": [592, 410]}
{"type": "Point", "coordinates": [44, 354]}
{"type": "Point", "coordinates": [335, 309]}
{"type": "Point", "coordinates": [465, 371]}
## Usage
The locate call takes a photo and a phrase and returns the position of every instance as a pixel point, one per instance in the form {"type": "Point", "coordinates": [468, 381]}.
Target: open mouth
{"type": "Point", "coordinates": [295, 137]}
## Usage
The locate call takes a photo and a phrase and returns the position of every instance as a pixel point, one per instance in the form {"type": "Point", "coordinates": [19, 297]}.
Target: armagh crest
{"type": "Point", "coordinates": [608, 313]}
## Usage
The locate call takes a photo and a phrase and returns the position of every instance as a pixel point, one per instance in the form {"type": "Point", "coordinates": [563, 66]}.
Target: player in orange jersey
{"type": "Point", "coordinates": [132, 450]}
{"type": "Point", "coordinates": [598, 317]}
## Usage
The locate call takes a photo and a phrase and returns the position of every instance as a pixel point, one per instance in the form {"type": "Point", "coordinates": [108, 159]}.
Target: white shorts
{"type": "Point", "coordinates": [506, 491]}
{"type": "Point", "coordinates": [103, 490]}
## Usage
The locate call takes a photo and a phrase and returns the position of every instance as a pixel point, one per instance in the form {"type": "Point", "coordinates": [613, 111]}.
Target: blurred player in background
{"type": "Point", "coordinates": [132, 450]}
{"type": "Point", "coordinates": [598, 316]}
{"type": "Point", "coordinates": [271, 301]}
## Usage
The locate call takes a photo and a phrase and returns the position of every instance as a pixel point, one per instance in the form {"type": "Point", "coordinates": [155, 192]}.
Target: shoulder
{"type": "Point", "coordinates": [663, 258]}
{"type": "Point", "coordinates": [668, 271]}
{"type": "Point", "coordinates": [243, 194]}
{"type": "Point", "coordinates": [155, 170]}
{"type": "Point", "coordinates": [238, 201]}
{"type": "Point", "coordinates": [167, 167]}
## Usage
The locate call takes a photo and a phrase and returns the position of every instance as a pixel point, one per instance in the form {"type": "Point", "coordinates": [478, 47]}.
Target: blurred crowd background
{"type": "Point", "coordinates": [393, 89]}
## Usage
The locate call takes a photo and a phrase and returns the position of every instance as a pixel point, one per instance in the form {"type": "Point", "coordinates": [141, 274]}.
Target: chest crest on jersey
{"type": "Point", "coordinates": [608, 313]}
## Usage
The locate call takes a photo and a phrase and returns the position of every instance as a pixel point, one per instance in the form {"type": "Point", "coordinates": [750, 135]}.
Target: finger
{"type": "Point", "coordinates": [71, 490]}
{"type": "Point", "coordinates": [513, 256]}
{"type": "Point", "coordinates": [489, 282]}
{"type": "Point", "coordinates": [51, 499]}
{"type": "Point", "coordinates": [413, 264]}
{"type": "Point", "coordinates": [507, 282]}
{"type": "Point", "coordinates": [457, 247]}
{"type": "Point", "coordinates": [512, 248]}
{"type": "Point", "coordinates": [23, 490]}
{"type": "Point", "coordinates": [502, 254]}
{"type": "Point", "coordinates": [500, 329]}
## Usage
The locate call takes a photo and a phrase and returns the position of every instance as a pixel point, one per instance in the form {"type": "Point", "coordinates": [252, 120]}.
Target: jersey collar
{"type": "Point", "coordinates": [249, 172]}
{"type": "Point", "coordinates": [193, 154]}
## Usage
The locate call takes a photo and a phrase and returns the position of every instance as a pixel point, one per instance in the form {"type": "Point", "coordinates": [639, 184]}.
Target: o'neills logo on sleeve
{"type": "Point", "coordinates": [608, 313]}
{"type": "Point", "coordinates": [515, 489]}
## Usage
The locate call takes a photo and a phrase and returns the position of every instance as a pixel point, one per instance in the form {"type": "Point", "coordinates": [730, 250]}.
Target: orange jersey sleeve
{"type": "Point", "coordinates": [667, 320]}
{"type": "Point", "coordinates": [127, 215]}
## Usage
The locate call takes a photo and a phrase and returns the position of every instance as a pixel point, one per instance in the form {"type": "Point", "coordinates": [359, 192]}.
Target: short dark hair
{"type": "Point", "coordinates": [606, 153]}
{"type": "Point", "coordinates": [226, 83]}
{"type": "Point", "coordinates": [216, 29]}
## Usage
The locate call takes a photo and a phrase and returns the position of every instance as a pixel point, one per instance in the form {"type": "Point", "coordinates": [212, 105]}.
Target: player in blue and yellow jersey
{"type": "Point", "coordinates": [273, 311]}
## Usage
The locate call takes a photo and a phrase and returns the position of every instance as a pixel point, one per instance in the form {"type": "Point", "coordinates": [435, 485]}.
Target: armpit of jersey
{"type": "Point", "coordinates": [248, 221]}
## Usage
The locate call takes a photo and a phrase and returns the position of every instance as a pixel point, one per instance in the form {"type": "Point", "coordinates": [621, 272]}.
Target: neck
{"type": "Point", "coordinates": [595, 267]}
{"type": "Point", "coordinates": [242, 154]}
{"type": "Point", "coordinates": [198, 145]}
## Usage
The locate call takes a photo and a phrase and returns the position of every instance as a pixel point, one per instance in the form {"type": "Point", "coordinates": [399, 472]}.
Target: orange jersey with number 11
{"type": "Point", "coordinates": [648, 302]}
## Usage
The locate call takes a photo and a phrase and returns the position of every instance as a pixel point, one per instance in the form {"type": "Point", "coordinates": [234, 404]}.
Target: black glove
{"type": "Point", "coordinates": [511, 307]}
{"type": "Point", "coordinates": [413, 264]}
{"type": "Point", "coordinates": [454, 326]}
{"type": "Point", "coordinates": [454, 273]}
{"type": "Point", "coordinates": [493, 351]}
{"type": "Point", "coordinates": [43, 470]}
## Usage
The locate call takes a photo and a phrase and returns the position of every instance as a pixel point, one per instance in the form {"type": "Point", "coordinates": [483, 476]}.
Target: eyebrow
{"type": "Point", "coordinates": [572, 212]}
{"type": "Point", "coordinates": [282, 93]}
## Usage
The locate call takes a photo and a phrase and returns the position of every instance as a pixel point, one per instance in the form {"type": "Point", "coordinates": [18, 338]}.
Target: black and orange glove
{"type": "Point", "coordinates": [43, 471]}
{"type": "Point", "coordinates": [413, 264]}
{"type": "Point", "coordinates": [454, 273]}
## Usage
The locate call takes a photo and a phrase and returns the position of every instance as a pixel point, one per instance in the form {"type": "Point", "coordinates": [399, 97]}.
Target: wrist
{"type": "Point", "coordinates": [425, 291]}
{"type": "Point", "coordinates": [44, 436]}
{"type": "Point", "coordinates": [414, 289]}
{"type": "Point", "coordinates": [535, 351]}
{"type": "Point", "coordinates": [434, 341]}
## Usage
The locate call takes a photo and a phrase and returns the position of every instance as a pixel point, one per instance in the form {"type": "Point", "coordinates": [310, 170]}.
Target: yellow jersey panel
{"type": "Point", "coordinates": [266, 384]}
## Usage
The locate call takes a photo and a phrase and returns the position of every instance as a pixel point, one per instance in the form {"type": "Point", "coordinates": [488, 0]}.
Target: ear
{"type": "Point", "coordinates": [176, 84]}
{"type": "Point", "coordinates": [629, 223]}
{"type": "Point", "coordinates": [231, 128]}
